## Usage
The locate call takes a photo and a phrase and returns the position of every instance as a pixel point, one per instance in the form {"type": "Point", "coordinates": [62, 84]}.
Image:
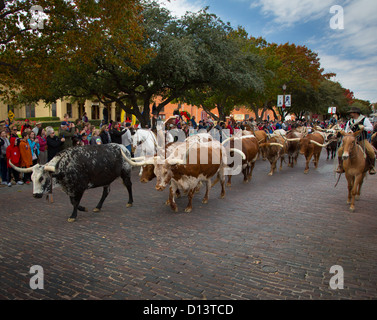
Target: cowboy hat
{"type": "Point", "coordinates": [354, 110]}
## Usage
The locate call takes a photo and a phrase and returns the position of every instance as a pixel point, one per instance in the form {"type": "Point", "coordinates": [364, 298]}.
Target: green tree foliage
{"type": "Point", "coordinates": [39, 63]}
{"type": "Point", "coordinates": [132, 51]}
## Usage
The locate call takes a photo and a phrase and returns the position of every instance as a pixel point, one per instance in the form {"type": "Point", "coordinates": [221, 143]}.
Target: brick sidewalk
{"type": "Point", "coordinates": [274, 238]}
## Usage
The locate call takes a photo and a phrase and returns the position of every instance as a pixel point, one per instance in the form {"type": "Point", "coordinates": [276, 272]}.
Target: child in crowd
{"type": "Point", "coordinates": [84, 139]}
{"type": "Point", "coordinates": [34, 146]}
{"type": "Point", "coordinates": [14, 155]}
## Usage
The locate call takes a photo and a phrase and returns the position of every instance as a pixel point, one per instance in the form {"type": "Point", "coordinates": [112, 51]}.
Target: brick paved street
{"type": "Point", "coordinates": [274, 238]}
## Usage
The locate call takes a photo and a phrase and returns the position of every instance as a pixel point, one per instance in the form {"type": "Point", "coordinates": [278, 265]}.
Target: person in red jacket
{"type": "Point", "coordinates": [26, 156]}
{"type": "Point", "coordinates": [14, 155]}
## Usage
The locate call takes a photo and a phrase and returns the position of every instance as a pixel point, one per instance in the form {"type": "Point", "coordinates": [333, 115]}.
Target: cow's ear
{"type": "Point", "coordinates": [355, 134]}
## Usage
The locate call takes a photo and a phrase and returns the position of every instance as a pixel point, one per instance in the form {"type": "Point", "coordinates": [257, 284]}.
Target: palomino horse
{"type": "Point", "coordinates": [355, 166]}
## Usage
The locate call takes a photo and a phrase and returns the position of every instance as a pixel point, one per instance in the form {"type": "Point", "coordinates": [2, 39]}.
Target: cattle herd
{"type": "Point", "coordinates": [185, 165]}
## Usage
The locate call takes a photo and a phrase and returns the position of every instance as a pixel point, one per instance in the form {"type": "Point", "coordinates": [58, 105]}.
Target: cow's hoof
{"type": "Point", "coordinates": [352, 209]}
{"type": "Point", "coordinates": [205, 201]}
{"type": "Point", "coordinates": [167, 202]}
{"type": "Point", "coordinates": [188, 210]}
{"type": "Point", "coordinates": [306, 171]}
{"type": "Point", "coordinates": [96, 210]}
{"type": "Point", "coordinates": [129, 205]}
{"type": "Point", "coordinates": [71, 219]}
{"type": "Point", "coordinates": [228, 184]}
{"type": "Point", "coordinates": [270, 174]}
{"type": "Point", "coordinates": [357, 197]}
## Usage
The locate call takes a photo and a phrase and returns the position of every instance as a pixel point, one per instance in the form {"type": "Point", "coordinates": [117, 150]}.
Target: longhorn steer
{"type": "Point", "coordinates": [80, 168]}
{"type": "Point", "coordinates": [332, 147]}
{"type": "Point", "coordinates": [261, 136]}
{"type": "Point", "coordinates": [311, 145]}
{"type": "Point", "coordinates": [186, 176]}
{"type": "Point", "coordinates": [147, 170]}
{"type": "Point", "coordinates": [273, 151]}
{"type": "Point", "coordinates": [293, 147]}
{"type": "Point", "coordinates": [250, 148]}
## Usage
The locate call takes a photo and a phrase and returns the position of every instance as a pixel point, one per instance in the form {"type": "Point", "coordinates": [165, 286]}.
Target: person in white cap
{"type": "Point", "coordinates": [36, 128]}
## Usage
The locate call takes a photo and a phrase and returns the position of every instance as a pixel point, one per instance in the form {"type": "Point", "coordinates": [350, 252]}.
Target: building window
{"type": "Point", "coordinates": [53, 109]}
{"type": "Point", "coordinates": [30, 111]}
{"type": "Point", "coordinates": [81, 110]}
{"type": "Point", "coordinates": [95, 112]}
{"type": "Point", "coordinates": [69, 110]}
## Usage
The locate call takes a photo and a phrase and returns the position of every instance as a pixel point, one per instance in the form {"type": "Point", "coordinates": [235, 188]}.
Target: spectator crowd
{"type": "Point", "coordinates": [30, 146]}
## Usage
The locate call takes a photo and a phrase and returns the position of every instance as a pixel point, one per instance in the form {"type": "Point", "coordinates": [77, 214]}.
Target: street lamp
{"type": "Point", "coordinates": [284, 88]}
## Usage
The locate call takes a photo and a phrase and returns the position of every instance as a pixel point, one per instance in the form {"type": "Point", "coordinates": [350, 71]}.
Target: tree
{"type": "Point", "coordinates": [295, 66]}
{"type": "Point", "coordinates": [40, 63]}
{"type": "Point", "coordinates": [234, 70]}
{"type": "Point", "coordinates": [364, 105]}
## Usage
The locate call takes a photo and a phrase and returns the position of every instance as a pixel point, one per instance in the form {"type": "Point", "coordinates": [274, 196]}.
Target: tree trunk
{"type": "Point", "coordinates": [222, 115]}
{"type": "Point", "coordinates": [216, 118]}
{"type": "Point", "coordinates": [275, 115]}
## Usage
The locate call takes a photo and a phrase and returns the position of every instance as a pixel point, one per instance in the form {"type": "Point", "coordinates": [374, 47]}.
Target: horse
{"type": "Point", "coordinates": [146, 143]}
{"type": "Point", "coordinates": [355, 166]}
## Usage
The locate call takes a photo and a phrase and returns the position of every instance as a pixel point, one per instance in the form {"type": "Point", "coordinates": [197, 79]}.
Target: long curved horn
{"type": "Point", "coordinates": [248, 136]}
{"type": "Point", "coordinates": [239, 152]}
{"type": "Point", "coordinates": [268, 144]}
{"type": "Point", "coordinates": [133, 163]}
{"type": "Point", "coordinates": [292, 140]}
{"type": "Point", "coordinates": [138, 158]}
{"type": "Point", "coordinates": [226, 140]}
{"type": "Point", "coordinates": [49, 168]}
{"type": "Point", "coordinates": [319, 144]}
{"type": "Point", "coordinates": [174, 161]}
{"type": "Point", "coordinates": [24, 170]}
{"type": "Point", "coordinates": [242, 137]}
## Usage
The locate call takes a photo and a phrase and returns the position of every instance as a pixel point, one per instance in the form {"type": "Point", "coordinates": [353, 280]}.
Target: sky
{"type": "Point", "coordinates": [342, 32]}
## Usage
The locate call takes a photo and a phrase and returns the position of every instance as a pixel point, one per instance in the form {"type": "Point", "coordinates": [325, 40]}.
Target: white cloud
{"type": "Point", "coordinates": [359, 76]}
{"type": "Point", "coordinates": [360, 28]}
{"type": "Point", "coordinates": [290, 12]}
{"type": "Point", "coordinates": [350, 53]}
{"type": "Point", "coordinates": [179, 8]}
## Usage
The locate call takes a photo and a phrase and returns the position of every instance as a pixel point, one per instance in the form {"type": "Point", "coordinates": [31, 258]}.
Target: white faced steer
{"type": "Point", "coordinates": [80, 168]}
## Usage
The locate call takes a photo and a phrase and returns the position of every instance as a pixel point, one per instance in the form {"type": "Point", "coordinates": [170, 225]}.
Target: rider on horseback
{"type": "Point", "coordinates": [356, 123]}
